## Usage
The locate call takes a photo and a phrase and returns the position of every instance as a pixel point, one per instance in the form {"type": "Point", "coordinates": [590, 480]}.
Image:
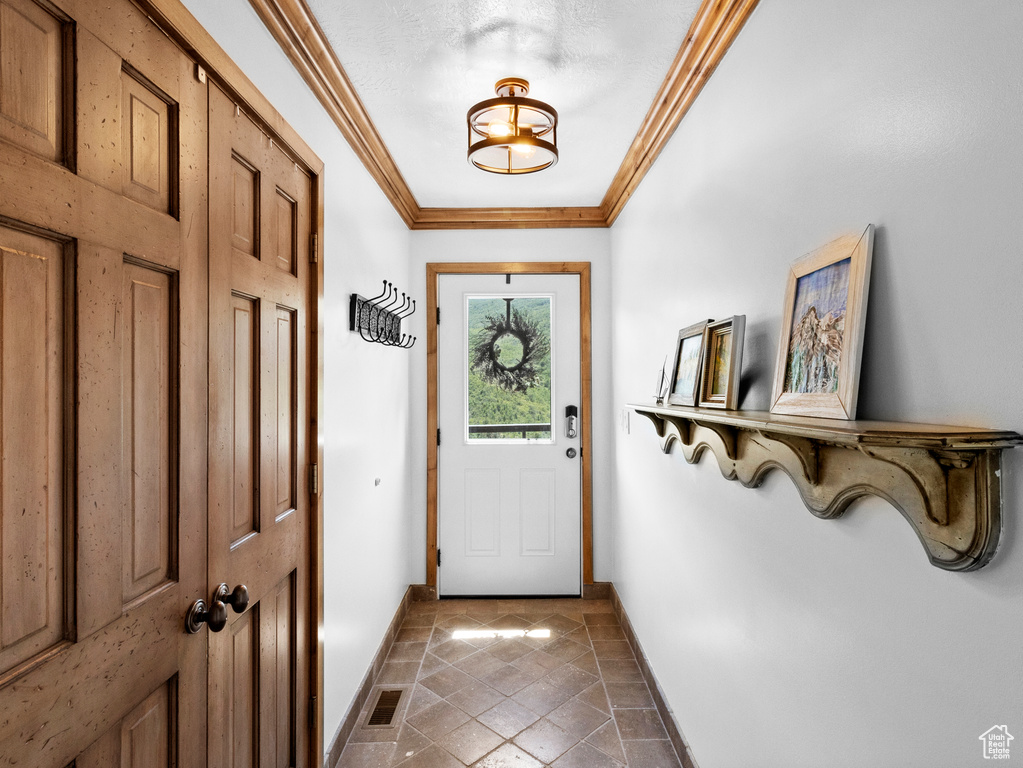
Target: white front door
{"type": "Point", "coordinates": [509, 485]}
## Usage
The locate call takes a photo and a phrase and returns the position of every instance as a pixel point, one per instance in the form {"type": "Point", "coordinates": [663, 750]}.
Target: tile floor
{"type": "Point", "coordinates": [559, 687]}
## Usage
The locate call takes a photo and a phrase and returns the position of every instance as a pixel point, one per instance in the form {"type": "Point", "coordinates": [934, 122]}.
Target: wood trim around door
{"type": "Point", "coordinates": [316, 396]}
{"type": "Point", "coordinates": [433, 271]}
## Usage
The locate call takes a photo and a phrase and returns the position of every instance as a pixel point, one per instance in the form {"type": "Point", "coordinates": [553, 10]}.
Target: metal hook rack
{"type": "Point", "coordinates": [378, 320]}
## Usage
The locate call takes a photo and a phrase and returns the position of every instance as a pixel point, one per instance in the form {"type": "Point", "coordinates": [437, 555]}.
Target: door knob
{"type": "Point", "coordinates": [571, 453]}
{"type": "Point", "coordinates": [215, 616]}
{"type": "Point", "coordinates": [238, 598]}
{"type": "Point", "coordinates": [198, 614]}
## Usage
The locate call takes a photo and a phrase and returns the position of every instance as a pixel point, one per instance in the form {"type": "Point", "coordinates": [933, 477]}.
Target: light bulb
{"type": "Point", "coordinates": [498, 128]}
{"type": "Point", "coordinates": [523, 150]}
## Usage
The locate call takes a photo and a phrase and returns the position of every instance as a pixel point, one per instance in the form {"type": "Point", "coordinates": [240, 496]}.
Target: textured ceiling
{"type": "Point", "coordinates": [418, 65]}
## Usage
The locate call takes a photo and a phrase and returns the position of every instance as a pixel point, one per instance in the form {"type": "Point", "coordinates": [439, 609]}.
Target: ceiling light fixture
{"type": "Point", "coordinates": [512, 134]}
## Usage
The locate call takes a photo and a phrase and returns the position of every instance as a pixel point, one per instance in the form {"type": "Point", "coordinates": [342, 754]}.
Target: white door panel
{"type": "Point", "coordinates": [508, 497]}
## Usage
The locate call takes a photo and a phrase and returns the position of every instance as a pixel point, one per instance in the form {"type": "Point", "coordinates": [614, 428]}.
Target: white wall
{"type": "Point", "coordinates": [591, 245]}
{"type": "Point", "coordinates": [366, 527]}
{"type": "Point", "coordinates": [781, 639]}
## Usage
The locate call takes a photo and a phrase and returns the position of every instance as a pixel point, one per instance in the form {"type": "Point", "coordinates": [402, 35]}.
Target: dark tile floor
{"type": "Point", "coordinates": [503, 683]}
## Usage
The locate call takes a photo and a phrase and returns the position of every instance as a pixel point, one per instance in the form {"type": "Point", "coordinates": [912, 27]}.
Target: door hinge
{"type": "Point", "coordinates": [312, 712]}
{"type": "Point", "coordinates": [314, 479]}
{"type": "Point", "coordinates": [438, 557]}
{"type": "Point", "coordinates": [438, 437]}
{"type": "Point", "coordinates": [438, 315]}
{"type": "Point", "coordinates": [314, 250]}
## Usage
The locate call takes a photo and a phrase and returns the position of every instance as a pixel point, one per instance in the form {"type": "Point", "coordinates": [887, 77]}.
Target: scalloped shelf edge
{"type": "Point", "coordinates": [945, 481]}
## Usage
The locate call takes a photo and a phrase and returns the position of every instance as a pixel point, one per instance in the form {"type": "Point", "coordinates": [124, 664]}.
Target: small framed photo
{"type": "Point", "coordinates": [685, 375]}
{"type": "Point", "coordinates": [818, 366]}
{"type": "Point", "coordinates": [722, 363]}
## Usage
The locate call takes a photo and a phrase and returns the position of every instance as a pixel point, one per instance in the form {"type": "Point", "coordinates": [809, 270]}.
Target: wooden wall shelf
{"type": "Point", "coordinates": [944, 480]}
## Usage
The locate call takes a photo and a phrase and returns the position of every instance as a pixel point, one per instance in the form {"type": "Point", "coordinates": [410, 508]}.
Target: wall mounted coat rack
{"type": "Point", "coordinates": [379, 319]}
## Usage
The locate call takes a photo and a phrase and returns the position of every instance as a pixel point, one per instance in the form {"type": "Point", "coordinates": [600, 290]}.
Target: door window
{"type": "Point", "coordinates": [508, 367]}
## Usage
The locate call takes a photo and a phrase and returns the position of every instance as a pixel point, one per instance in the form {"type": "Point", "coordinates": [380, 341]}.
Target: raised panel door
{"type": "Point", "coordinates": [103, 376]}
{"type": "Point", "coordinates": [260, 341]}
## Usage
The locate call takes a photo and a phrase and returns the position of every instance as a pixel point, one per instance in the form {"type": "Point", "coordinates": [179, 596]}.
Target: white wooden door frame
{"type": "Point", "coordinates": [433, 272]}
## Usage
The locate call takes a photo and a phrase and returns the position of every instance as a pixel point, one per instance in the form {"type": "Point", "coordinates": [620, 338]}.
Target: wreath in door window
{"type": "Point", "coordinates": [506, 350]}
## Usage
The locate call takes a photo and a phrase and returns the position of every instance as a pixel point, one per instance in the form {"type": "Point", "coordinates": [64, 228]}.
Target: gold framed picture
{"type": "Point", "coordinates": [818, 367]}
{"type": "Point", "coordinates": [722, 363]}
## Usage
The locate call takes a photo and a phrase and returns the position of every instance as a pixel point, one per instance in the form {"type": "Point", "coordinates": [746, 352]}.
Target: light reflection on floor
{"type": "Point", "coordinates": [507, 634]}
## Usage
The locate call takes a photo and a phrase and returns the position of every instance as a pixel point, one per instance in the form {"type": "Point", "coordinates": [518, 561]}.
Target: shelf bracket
{"type": "Point", "coordinates": [950, 494]}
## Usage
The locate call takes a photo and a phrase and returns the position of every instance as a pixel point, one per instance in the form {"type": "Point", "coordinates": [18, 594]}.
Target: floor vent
{"type": "Point", "coordinates": [383, 711]}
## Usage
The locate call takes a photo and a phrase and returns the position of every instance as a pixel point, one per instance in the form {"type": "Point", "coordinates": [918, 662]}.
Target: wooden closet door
{"type": "Point", "coordinates": [260, 352]}
{"type": "Point", "coordinates": [103, 374]}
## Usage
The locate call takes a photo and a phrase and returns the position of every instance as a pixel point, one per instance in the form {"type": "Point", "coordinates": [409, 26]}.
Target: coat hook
{"type": "Point", "coordinates": [379, 319]}
{"type": "Point", "coordinates": [383, 312]}
{"type": "Point", "coordinates": [362, 312]}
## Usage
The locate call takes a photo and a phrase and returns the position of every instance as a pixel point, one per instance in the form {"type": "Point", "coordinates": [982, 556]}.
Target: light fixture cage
{"type": "Point", "coordinates": [511, 134]}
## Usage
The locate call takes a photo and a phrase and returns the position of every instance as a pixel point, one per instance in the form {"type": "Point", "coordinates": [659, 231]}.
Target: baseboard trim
{"type": "Point", "coordinates": [685, 755]}
{"type": "Point", "coordinates": [351, 718]}
{"type": "Point", "coordinates": [598, 590]}
{"type": "Point", "coordinates": [423, 593]}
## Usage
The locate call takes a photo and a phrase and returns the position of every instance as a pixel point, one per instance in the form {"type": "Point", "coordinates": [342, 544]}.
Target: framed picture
{"type": "Point", "coordinates": [722, 363]}
{"type": "Point", "coordinates": [818, 366]}
{"type": "Point", "coordinates": [685, 375]}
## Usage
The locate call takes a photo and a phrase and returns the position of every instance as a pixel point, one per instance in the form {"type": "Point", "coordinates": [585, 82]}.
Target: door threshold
{"type": "Point", "coordinates": [510, 597]}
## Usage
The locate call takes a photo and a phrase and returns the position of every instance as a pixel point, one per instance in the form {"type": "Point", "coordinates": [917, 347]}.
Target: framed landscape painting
{"type": "Point", "coordinates": [722, 363]}
{"type": "Point", "coordinates": [821, 345]}
{"type": "Point", "coordinates": [685, 375]}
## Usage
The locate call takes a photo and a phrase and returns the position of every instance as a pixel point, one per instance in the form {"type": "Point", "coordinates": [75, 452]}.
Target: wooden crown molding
{"type": "Point", "coordinates": [300, 36]}
{"type": "Point", "coordinates": [716, 25]}
{"type": "Point", "coordinates": [508, 218]}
